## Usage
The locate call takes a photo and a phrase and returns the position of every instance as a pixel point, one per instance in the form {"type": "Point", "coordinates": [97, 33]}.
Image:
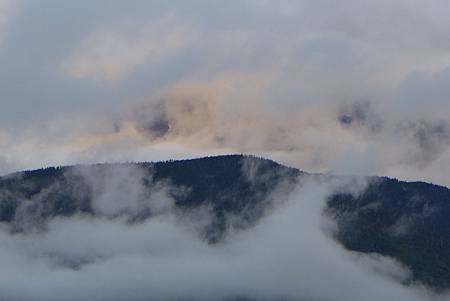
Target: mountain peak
{"type": "Point", "coordinates": [406, 221]}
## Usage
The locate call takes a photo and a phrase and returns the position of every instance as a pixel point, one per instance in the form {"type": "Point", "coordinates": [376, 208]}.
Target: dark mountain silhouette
{"type": "Point", "coordinates": [407, 221]}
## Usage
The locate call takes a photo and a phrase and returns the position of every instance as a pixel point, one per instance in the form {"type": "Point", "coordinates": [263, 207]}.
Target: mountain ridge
{"type": "Point", "coordinates": [404, 220]}
{"type": "Point", "coordinates": [181, 161]}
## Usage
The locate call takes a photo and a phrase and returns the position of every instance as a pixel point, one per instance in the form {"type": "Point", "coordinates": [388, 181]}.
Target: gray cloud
{"type": "Point", "coordinates": [360, 113]}
{"type": "Point", "coordinates": [281, 79]}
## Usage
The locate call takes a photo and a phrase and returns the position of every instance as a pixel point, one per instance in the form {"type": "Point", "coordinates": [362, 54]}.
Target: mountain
{"type": "Point", "coordinates": [403, 220]}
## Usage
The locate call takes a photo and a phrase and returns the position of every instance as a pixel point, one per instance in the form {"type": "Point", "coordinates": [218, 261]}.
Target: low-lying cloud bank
{"type": "Point", "coordinates": [288, 255]}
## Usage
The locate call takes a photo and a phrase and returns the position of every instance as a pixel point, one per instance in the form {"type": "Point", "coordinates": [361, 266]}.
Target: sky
{"type": "Point", "coordinates": [353, 87]}
{"type": "Point", "coordinates": [347, 87]}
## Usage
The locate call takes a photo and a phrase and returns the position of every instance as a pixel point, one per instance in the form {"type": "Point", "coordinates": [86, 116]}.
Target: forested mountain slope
{"type": "Point", "coordinates": [407, 221]}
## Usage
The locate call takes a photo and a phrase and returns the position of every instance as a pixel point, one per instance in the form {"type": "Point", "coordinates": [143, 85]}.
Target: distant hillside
{"type": "Point", "coordinates": [408, 221]}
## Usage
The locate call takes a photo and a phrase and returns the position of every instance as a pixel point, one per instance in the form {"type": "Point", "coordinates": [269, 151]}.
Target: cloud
{"type": "Point", "coordinates": [5, 13]}
{"type": "Point", "coordinates": [356, 87]}
{"type": "Point", "coordinates": [109, 56]}
{"type": "Point", "coordinates": [288, 255]}
{"type": "Point", "coordinates": [324, 87]}
{"type": "Point", "coordinates": [121, 190]}
{"type": "Point", "coordinates": [233, 112]}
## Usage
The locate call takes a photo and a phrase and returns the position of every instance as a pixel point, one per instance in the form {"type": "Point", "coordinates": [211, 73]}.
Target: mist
{"type": "Point", "coordinates": [290, 254]}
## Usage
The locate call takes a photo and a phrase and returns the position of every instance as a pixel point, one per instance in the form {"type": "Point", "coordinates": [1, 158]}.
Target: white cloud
{"type": "Point", "coordinates": [287, 256]}
{"type": "Point", "coordinates": [110, 56]}
{"type": "Point", "coordinates": [5, 14]}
